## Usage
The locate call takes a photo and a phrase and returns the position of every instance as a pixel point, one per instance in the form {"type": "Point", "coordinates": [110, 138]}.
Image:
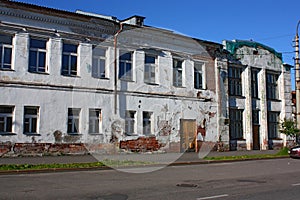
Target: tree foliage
{"type": "Point", "coordinates": [288, 127]}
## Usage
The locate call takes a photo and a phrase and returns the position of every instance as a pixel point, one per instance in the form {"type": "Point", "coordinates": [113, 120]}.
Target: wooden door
{"type": "Point", "coordinates": [187, 134]}
{"type": "Point", "coordinates": [256, 142]}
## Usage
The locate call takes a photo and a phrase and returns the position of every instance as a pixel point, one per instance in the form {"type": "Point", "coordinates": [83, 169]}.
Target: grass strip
{"type": "Point", "coordinates": [110, 163]}
{"type": "Point", "coordinates": [283, 152]}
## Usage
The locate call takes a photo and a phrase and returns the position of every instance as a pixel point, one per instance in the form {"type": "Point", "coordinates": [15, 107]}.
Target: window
{"type": "Point", "coordinates": [273, 121]}
{"type": "Point", "coordinates": [235, 81]}
{"type": "Point", "coordinates": [125, 66]}
{"type": "Point", "coordinates": [6, 119]}
{"type": "Point", "coordinates": [150, 66]}
{"type": "Point", "coordinates": [272, 91]}
{"type": "Point", "coordinates": [236, 123]}
{"type": "Point", "coordinates": [31, 119]}
{"type": "Point", "coordinates": [129, 122]}
{"type": "Point", "coordinates": [73, 120]}
{"type": "Point", "coordinates": [98, 65]}
{"type": "Point", "coordinates": [147, 125]}
{"type": "Point", "coordinates": [94, 120]}
{"type": "Point", "coordinates": [198, 83]}
{"type": "Point", "coordinates": [5, 51]}
{"type": "Point", "coordinates": [255, 117]}
{"type": "Point", "coordinates": [37, 56]}
{"type": "Point", "coordinates": [177, 73]}
{"type": "Point", "coordinates": [254, 83]}
{"type": "Point", "coordinates": [69, 60]}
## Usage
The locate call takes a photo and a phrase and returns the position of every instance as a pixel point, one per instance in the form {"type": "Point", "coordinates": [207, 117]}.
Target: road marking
{"type": "Point", "coordinates": [213, 197]}
{"type": "Point", "coordinates": [296, 184]}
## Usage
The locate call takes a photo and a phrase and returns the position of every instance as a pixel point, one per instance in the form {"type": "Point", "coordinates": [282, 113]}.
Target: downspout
{"type": "Point", "coordinates": [115, 67]}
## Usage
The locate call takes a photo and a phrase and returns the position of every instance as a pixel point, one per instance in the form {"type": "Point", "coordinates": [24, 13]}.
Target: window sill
{"type": "Point", "coordinates": [9, 70]}
{"type": "Point", "coordinates": [274, 100]}
{"type": "Point", "coordinates": [278, 139]}
{"type": "Point", "coordinates": [178, 86]}
{"type": "Point", "coordinates": [237, 96]}
{"type": "Point", "coordinates": [95, 134]}
{"type": "Point", "coordinates": [74, 134]}
{"type": "Point", "coordinates": [71, 76]}
{"type": "Point", "coordinates": [101, 78]}
{"type": "Point", "coordinates": [149, 83]}
{"type": "Point", "coordinates": [126, 80]}
{"type": "Point", "coordinates": [126, 134]}
{"type": "Point", "coordinates": [42, 73]}
{"type": "Point", "coordinates": [32, 134]}
{"type": "Point", "coordinates": [7, 134]}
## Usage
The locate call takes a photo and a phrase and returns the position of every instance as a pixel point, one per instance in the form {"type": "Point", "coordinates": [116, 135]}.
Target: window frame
{"type": "Point", "coordinates": [71, 56]}
{"type": "Point", "coordinates": [33, 121]}
{"type": "Point", "coordinates": [198, 84]}
{"type": "Point", "coordinates": [236, 124]}
{"type": "Point", "coordinates": [125, 74]}
{"type": "Point", "coordinates": [95, 121]}
{"type": "Point", "coordinates": [147, 123]}
{"type": "Point", "coordinates": [254, 83]}
{"type": "Point", "coordinates": [273, 125]}
{"type": "Point", "coordinates": [130, 122]}
{"type": "Point", "coordinates": [39, 51]}
{"type": "Point", "coordinates": [235, 84]}
{"type": "Point", "coordinates": [177, 72]}
{"type": "Point", "coordinates": [272, 85]}
{"type": "Point", "coordinates": [98, 66]}
{"type": "Point", "coordinates": [150, 74]}
{"type": "Point", "coordinates": [7, 116]}
{"type": "Point", "coordinates": [3, 48]}
{"type": "Point", "coordinates": [74, 121]}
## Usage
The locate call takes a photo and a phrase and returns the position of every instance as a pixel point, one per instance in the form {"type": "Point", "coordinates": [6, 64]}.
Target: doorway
{"type": "Point", "coordinates": [188, 131]}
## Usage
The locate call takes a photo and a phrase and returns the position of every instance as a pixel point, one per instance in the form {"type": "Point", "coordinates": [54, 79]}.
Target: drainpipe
{"type": "Point", "coordinates": [297, 77]}
{"type": "Point", "coordinates": [115, 67]}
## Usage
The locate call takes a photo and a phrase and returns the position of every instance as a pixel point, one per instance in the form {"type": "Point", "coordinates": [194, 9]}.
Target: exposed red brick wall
{"type": "Point", "coordinates": [5, 148]}
{"type": "Point", "coordinates": [141, 144]}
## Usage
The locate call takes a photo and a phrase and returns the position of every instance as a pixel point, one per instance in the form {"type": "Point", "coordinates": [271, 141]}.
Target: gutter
{"type": "Point", "coordinates": [115, 66]}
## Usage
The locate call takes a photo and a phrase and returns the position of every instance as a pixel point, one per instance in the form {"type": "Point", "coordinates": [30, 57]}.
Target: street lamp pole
{"type": "Point", "coordinates": [297, 77]}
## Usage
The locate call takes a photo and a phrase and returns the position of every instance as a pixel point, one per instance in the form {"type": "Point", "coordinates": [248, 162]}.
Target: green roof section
{"type": "Point", "coordinates": [232, 46]}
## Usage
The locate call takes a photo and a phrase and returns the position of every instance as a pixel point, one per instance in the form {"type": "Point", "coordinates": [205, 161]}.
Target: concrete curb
{"type": "Point", "coordinates": [55, 170]}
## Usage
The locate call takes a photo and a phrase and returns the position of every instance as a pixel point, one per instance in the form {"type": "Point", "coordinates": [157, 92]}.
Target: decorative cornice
{"type": "Point", "coordinates": [98, 25]}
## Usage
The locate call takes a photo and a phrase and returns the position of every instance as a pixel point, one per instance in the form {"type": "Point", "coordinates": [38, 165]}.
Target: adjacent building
{"type": "Point", "coordinates": [71, 81]}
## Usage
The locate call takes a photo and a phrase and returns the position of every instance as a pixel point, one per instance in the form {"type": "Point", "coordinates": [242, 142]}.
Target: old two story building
{"type": "Point", "coordinates": [259, 88]}
{"type": "Point", "coordinates": [69, 79]}
{"type": "Point", "coordinates": [76, 82]}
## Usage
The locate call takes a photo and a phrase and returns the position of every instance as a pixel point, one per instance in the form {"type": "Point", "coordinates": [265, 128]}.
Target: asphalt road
{"type": "Point", "coordinates": [262, 179]}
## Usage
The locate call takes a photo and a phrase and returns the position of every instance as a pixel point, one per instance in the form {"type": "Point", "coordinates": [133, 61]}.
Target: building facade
{"type": "Point", "coordinates": [259, 96]}
{"type": "Point", "coordinates": [77, 81]}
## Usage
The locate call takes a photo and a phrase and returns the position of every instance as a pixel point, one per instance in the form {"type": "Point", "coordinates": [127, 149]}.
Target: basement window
{"type": "Point", "coordinates": [73, 120]}
{"type": "Point", "coordinates": [94, 121]}
{"type": "Point", "coordinates": [273, 121]}
{"type": "Point", "coordinates": [130, 123]}
{"type": "Point", "coordinates": [147, 123]}
{"type": "Point", "coordinates": [6, 119]}
{"type": "Point", "coordinates": [236, 124]}
{"type": "Point", "coordinates": [31, 116]}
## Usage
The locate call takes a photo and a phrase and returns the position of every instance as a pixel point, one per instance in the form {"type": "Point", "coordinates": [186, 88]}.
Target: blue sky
{"type": "Point", "coordinates": [269, 22]}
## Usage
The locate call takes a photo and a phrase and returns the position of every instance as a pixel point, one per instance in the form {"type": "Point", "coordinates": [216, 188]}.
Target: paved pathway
{"type": "Point", "coordinates": [160, 158]}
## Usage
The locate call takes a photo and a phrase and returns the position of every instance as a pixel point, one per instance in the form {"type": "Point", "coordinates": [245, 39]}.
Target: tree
{"type": "Point", "coordinates": [288, 127]}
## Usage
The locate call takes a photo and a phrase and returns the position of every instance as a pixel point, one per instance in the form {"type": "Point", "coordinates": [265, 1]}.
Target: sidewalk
{"type": "Point", "coordinates": [163, 158]}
